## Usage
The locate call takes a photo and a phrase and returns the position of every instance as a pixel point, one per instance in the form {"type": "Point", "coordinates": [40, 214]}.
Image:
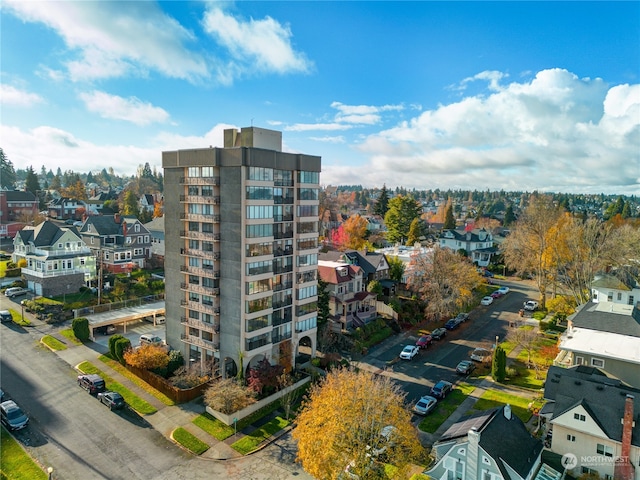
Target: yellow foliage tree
{"type": "Point", "coordinates": [342, 425]}
{"type": "Point", "coordinates": [147, 357]}
{"type": "Point", "coordinates": [158, 209]}
{"type": "Point", "coordinates": [355, 229]}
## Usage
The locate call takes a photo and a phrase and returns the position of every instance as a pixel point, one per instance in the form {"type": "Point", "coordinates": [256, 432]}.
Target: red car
{"type": "Point", "coordinates": [424, 341]}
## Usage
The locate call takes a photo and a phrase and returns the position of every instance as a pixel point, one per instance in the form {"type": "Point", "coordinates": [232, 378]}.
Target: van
{"type": "Point", "coordinates": [5, 316]}
{"type": "Point", "coordinates": [151, 340]}
{"type": "Point", "coordinates": [92, 383]}
{"type": "Point", "coordinates": [15, 291]}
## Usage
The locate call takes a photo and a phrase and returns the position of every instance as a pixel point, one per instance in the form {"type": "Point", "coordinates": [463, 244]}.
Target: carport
{"type": "Point", "coordinates": [125, 315]}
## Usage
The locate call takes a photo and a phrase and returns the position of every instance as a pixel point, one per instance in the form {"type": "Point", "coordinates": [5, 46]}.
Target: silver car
{"type": "Point", "coordinates": [12, 416]}
{"type": "Point", "coordinates": [425, 405]}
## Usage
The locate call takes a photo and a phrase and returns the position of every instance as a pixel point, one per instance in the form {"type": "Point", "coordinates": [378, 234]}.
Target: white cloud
{"type": "Point", "coordinates": [304, 127]}
{"type": "Point", "coordinates": [107, 40]}
{"type": "Point", "coordinates": [492, 77]}
{"type": "Point", "coordinates": [129, 109]}
{"type": "Point", "coordinates": [255, 45]}
{"type": "Point", "coordinates": [10, 95]}
{"type": "Point", "coordinates": [555, 132]}
{"type": "Point", "coordinates": [329, 139]}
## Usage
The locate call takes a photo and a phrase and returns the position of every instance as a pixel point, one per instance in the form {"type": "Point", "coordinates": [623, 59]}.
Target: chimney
{"type": "Point", "coordinates": [507, 411]}
{"type": "Point", "coordinates": [473, 453]}
{"type": "Point", "coordinates": [116, 217]}
{"type": "Point", "coordinates": [624, 469]}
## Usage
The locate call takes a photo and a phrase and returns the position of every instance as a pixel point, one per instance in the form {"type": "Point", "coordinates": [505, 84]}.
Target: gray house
{"type": "Point", "coordinates": [491, 445]}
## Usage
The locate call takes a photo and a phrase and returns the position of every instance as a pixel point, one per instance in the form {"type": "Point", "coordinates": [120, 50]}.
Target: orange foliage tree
{"type": "Point", "coordinates": [147, 357]}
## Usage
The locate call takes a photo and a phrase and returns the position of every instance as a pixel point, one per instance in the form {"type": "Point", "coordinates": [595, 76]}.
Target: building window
{"type": "Point", "coordinates": [579, 416]}
{"type": "Point", "coordinates": [631, 299]}
{"type": "Point", "coordinates": [308, 177]}
{"type": "Point", "coordinates": [597, 362]}
{"type": "Point", "coordinates": [136, 227]}
{"type": "Point", "coordinates": [619, 296]}
{"type": "Point", "coordinates": [571, 438]}
{"type": "Point", "coordinates": [193, 172]}
{"type": "Point", "coordinates": [207, 172]}
{"type": "Point", "coordinates": [260, 230]}
{"type": "Point", "coordinates": [579, 361]}
{"type": "Point", "coordinates": [605, 450]}
{"type": "Point", "coordinates": [261, 174]}
{"type": "Point", "coordinates": [610, 297]}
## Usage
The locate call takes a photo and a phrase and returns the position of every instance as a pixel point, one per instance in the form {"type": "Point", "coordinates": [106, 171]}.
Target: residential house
{"type": "Point", "coordinates": [350, 305]}
{"type": "Point", "coordinates": [121, 243]}
{"type": "Point", "coordinates": [65, 208]}
{"type": "Point", "coordinates": [15, 206]}
{"type": "Point", "coordinates": [604, 335]}
{"type": "Point", "coordinates": [373, 264]}
{"type": "Point", "coordinates": [612, 288]}
{"type": "Point", "coordinates": [156, 229]}
{"type": "Point", "coordinates": [490, 445]}
{"type": "Point", "coordinates": [592, 418]}
{"type": "Point", "coordinates": [375, 223]}
{"type": "Point", "coordinates": [478, 244]}
{"type": "Point", "coordinates": [57, 259]}
{"type": "Point", "coordinates": [147, 202]}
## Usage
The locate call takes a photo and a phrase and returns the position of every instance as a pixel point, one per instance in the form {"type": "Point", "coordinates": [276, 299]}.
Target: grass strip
{"type": "Point", "coordinates": [17, 318]}
{"type": "Point", "coordinates": [446, 407]}
{"type": "Point", "coordinates": [494, 398]}
{"type": "Point", "coordinates": [213, 426]}
{"type": "Point", "coordinates": [134, 401]}
{"type": "Point", "coordinates": [16, 463]}
{"type": "Point", "coordinates": [53, 343]}
{"type": "Point", "coordinates": [68, 334]}
{"type": "Point", "coordinates": [189, 441]}
{"type": "Point", "coordinates": [135, 379]}
{"type": "Point", "coordinates": [250, 442]}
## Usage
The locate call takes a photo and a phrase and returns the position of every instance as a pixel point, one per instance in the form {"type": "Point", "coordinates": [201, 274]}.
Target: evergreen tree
{"type": "Point", "coordinates": [7, 172]}
{"type": "Point", "coordinates": [509, 217]}
{"type": "Point", "coordinates": [323, 302]}
{"type": "Point", "coordinates": [382, 204]}
{"type": "Point", "coordinates": [402, 211]}
{"type": "Point", "coordinates": [31, 184]}
{"type": "Point", "coordinates": [449, 220]}
{"type": "Point", "coordinates": [146, 171]}
{"type": "Point", "coordinates": [499, 366]}
{"type": "Point", "coordinates": [90, 178]}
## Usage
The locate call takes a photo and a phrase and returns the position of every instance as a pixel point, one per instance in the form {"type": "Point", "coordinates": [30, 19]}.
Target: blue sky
{"type": "Point", "coordinates": [480, 95]}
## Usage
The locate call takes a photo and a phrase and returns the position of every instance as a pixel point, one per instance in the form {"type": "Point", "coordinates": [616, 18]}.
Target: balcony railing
{"type": "Point", "coordinates": [199, 289]}
{"type": "Point", "coordinates": [200, 253]}
{"type": "Point", "coordinates": [201, 307]}
{"type": "Point", "coordinates": [193, 340]}
{"type": "Point", "coordinates": [200, 217]}
{"type": "Point", "coordinates": [282, 286]}
{"type": "Point", "coordinates": [200, 235]}
{"type": "Point", "coordinates": [200, 180]}
{"type": "Point", "coordinates": [280, 338]}
{"type": "Point", "coordinates": [203, 272]}
{"type": "Point", "coordinates": [213, 200]}
{"type": "Point", "coordinates": [199, 324]}
{"type": "Point", "coordinates": [59, 272]}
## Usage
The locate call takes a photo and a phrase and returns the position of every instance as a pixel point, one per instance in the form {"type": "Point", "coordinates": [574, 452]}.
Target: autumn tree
{"type": "Point", "coordinates": [402, 211]}
{"type": "Point", "coordinates": [158, 209]}
{"type": "Point", "coordinates": [264, 377]}
{"type": "Point", "coordinates": [414, 232]}
{"type": "Point", "coordinates": [355, 230]}
{"type": "Point", "coordinates": [525, 337]}
{"type": "Point", "coordinates": [341, 422]}
{"type": "Point", "coordinates": [445, 280]}
{"type": "Point", "coordinates": [147, 357]}
{"type": "Point", "coordinates": [130, 204]}
{"type": "Point", "coordinates": [396, 268]}
{"type": "Point", "coordinates": [526, 248]}
{"type": "Point", "coordinates": [75, 190]}
{"type": "Point", "coordinates": [228, 396]}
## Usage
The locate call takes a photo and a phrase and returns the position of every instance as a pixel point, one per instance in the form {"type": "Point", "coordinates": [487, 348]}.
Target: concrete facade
{"type": "Point", "coordinates": [241, 245]}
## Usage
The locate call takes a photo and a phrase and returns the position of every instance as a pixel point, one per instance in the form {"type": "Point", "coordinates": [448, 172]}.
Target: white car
{"type": "Point", "coordinates": [503, 290]}
{"type": "Point", "coordinates": [486, 301]}
{"type": "Point", "coordinates": [409, 352]}
{"type": "Point", "coordinates": [481, 355]}
{"type": "Point", "coordinates": [530, 305]}
{"type": "Point", "coordinates": [425, 405]}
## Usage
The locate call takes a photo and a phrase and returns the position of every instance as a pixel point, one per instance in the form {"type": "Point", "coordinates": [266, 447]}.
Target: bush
{"type": "Point", "coordinates": [112, 344]}
{"type": "Point", "coordinates": [80, 327]}
{"type": "Point", "coordinates": [121, 346]}
{"type": "Point", "coordinates": [512, 372]}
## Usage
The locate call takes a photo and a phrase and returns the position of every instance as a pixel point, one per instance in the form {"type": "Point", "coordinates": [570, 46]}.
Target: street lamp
{"type": "Point", "coordinates": [50, 472]}
{"type": "Point", "coordinates": [22, 305]}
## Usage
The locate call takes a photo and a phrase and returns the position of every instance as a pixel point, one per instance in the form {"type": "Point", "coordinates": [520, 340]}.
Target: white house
{"type": "Point", "coordinates": [478, 244]}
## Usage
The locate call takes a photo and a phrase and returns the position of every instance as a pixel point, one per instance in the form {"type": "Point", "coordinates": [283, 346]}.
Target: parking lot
{"type": "Point", "coordinates": [134, 330]}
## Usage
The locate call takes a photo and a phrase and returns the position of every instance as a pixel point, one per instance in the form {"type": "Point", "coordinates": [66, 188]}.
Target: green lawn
{"type": "Point", "coordinates": [213, 426]}
{"type": "Point", "coordinates": [134, 401]}
{"type": "Point", "coordinates": [53, 343]}
{"type": "Point", "coordinates": [68, 333]}
{"type": "Point", "coordinates": [189, 441]}
{"type": "Point", "coordinates": [17, 318]}
{"type": "Point", "coordinates": [250, 442]}
{"type": "Point", "coordinates": [135, 379]}
{"type": "Point", "coordinates": [494, 398]}
{"type": "Point", "coordinates": [15, 463]}
{"type": "Point", "coordinates": [446, 407]}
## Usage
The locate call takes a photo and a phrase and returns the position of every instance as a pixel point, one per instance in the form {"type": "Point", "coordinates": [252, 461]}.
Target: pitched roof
{"type": "Point", "coordinates": [19, 196]}
{"type": "Point", "coordinates": [610, 281]}
{"type": "Point", "coordinates": [42, 235]}
{"type": "Point", "coordinates": [475, 235]}
{"type": "Point", "coordinates": [365, 259]}
{"type": "Point", "coordinates": [608, 317]}
{"type": "Point", "coordinates": [104, 225]}
{"type": "Point", "coordinates": [602, 395]}
{"type": "Point", "coordinates": [329, 272]}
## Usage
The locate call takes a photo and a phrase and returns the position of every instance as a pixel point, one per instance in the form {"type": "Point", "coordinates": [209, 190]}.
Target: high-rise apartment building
{"type": "Point", "coordinates": [241, 251]}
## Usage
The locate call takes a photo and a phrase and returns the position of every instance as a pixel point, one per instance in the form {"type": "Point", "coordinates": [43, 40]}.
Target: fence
{"type": "Point", "coordinates": [108, 307]}
{"type": "Point", "coordinates": [178, 395]}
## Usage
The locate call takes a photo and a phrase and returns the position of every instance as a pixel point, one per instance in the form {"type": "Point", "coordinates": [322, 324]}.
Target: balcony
{"type": "Point", "coordinates": [200, 307]}
{"type": "Point", "coordinates": [200, 180]}
{"type": "Point", "coordinates": [282, 286]}
{"type": "Point", "coordinates": [211, 237]}
{"type": "Point", "coordinates": [199, 289]}
{"type": "Point", "coordinates": [202, 272]}
{"type": "Point", "coordinates": [207, 327]}
{"type": "Point", "coordinates": [283, 234]}
{"type": "Point", "coordinates": [199, 342]}
{"type": "Point", "coordinates": [60, 272]}
{"type": "Point", "coordinates": [280, 338]}
{"type": "Point", "coordinates": [200, 253]}
{"type": "Point", "coordinates": [200, 217]}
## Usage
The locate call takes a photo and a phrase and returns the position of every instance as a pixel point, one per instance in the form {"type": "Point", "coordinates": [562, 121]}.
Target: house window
{"type": "Point", "coordinates": [610, 297]}
{"type": "Point", "coordinates": [597, 362]}
{"type": "Point", "coordinates": [485, 460]}
{"type": "Point", "coordinates": [60, 245]}
{"type": "Point", "coordinates": [571, 438]}
{"type": "Point", "coordinates": [128, 240]}
{"type": "Point", "coordinates": [136, 228]}
{"type": "Point", "coordinates": [630, 299]}
{"type": "Point", "coordinates": [579, 361]}
{"type": "Point", "coordinates": [579, 416]}
{"type": "Point", "coordinates": [146, 239]}
{"type": "Point", "coordinates": [605, 450]}
{"type": "Point", "coordinates": [619, 296]}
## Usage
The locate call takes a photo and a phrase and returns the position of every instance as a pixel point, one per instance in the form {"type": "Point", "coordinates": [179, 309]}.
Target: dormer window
{"type": "Point", "coordinates": [136, 227]}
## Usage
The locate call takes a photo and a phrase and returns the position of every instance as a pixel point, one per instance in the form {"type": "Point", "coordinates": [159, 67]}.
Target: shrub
{"type": "Point", "coordinates": [147, 357]}
{"type": "Point", "coordinates": [121, 346]}
{"type": "Point", "coordinates": [112, 344]}
{"type": "Point", "coordinates": [512, 372]}
{"type": "Point", "coordinates": [228, 396]}
{"type": "Point", "coordinates": [499, 367]}
{"type": "Point", "coordinates": [80, 327]}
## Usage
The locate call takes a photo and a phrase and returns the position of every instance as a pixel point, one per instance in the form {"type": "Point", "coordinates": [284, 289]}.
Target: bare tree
{"type": "Point", "coordinates": [524, 337]}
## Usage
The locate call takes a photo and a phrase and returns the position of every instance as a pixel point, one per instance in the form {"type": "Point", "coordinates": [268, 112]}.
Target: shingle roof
{"type": "Point", "coordinates": [43, 235]}
{"type": "Point", "coordinates": [591, 317]}
{"type": "Point", "coordinates": [19, 196]}
{"type": "Point", "coordinates": [103, 225]}
{"type": "Point", "coordinates": [365, 259]}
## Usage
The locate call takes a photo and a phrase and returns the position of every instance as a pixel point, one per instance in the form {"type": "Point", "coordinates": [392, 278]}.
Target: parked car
{"type": "Point", "coordinates": [424, 341]}
{"type": "Point", "coordinates": [439, 333]}
{"type": "Point", "coordinates": [409, 352]}
{"type": "Point", "coordinates": [452, 324]}
{"type": "Point", "coordinates": [465, 367]}
{"type": "Point", "coordinates": [481, 354]}
{"type": "Point", "coordinates": [12, 416]}
{"type": "Point", "coordinates": [5, 316]}
{"type": "Point", "coordinates": [486, 301]}
{"type": "Point", "coordinates": [92, 383]}
{"type": "Point", "coordinates": [151, 340]}
{"type": "Point", "coordinates": [462, 317]}
{"type": "Point", "coordinates": [530, 305]}
{"type": "Point", "coordinates": [69, 221]}
{"type": "Point", "coordinates": [496, 294]}
{"type": "Point", "coordinates": [425, 405]}
{"type": "Point", "coordinates": [15, 292]}
{"type": "Point", "coordinates": [503, 290]}
{"type": "Point", "coordinates": [441, 389]}
{"type": "Point", "coordinates": [113, 400]}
